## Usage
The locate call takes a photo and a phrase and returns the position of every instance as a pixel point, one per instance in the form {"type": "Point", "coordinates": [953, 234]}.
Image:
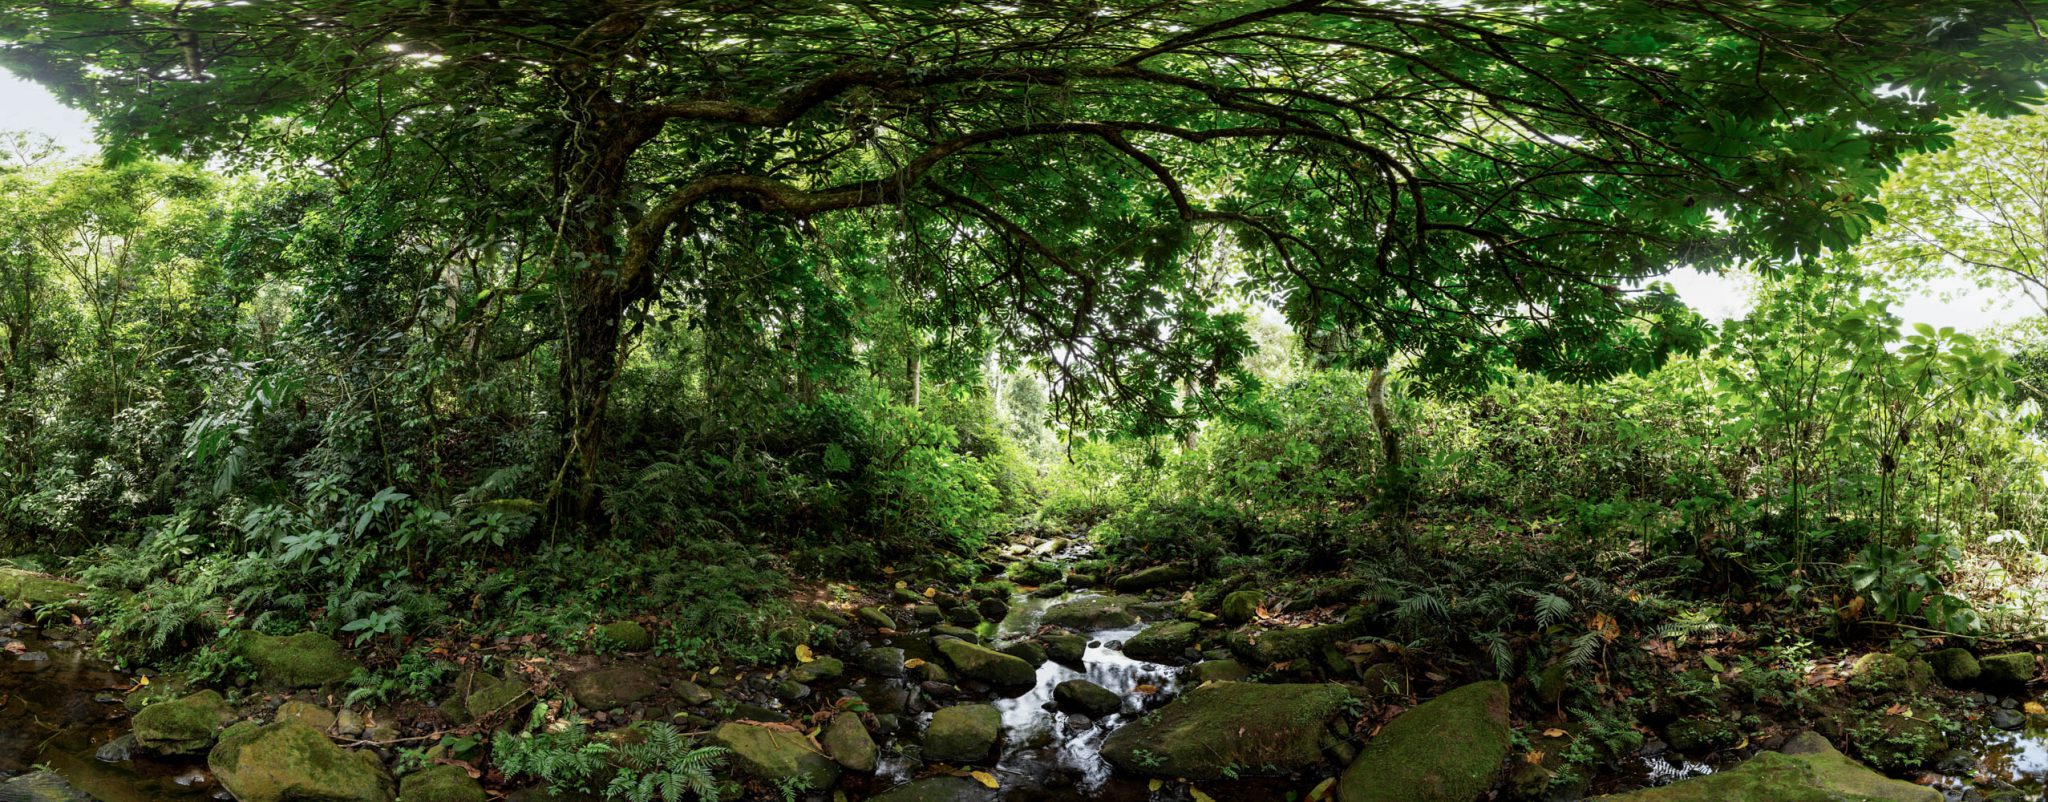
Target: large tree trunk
{"type": "Point", "coordinates": [1390, 437]}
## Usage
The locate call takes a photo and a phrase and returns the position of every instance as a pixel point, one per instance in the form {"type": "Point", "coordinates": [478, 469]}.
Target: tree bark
{"type": "Point", "coordinates": [1390, 438]}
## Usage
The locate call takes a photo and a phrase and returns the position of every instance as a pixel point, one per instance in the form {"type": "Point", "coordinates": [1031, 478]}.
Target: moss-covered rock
{"type": "Point", "coordinates": [625, 636]}
{"type": "Point", "coordinates": [605, 689]}
{"type": "Point", "coordinates": [776, 754]}
{"type": "Point", "coordinates": [1384, 679]}
{"type": "Point", "coordinates": [848, 742]}
{"type": "Point", "coordinates": [1217, 671]}
{"type": "Point", "coordinates": [1154, 577]}
{"type": "Point", "coordinates": [1896, 743]}
{"type": "Point", "coordinates": [1080, 695]}
{"type": "Point", "coordinates": [987, 665]}
{"type": "Point", "coordinates": [1026, 651]}
{"type": "Point", "coordinates": [820, 668]}
{"type": "Point", "coordinates": [1878, 672]}
{"type": "Point", "coordinates": [1955, 667]}
{"type": "Point", "coordinates": [1240, 607]}
{"type": "Point", "coordinates": [939, 789]}
{"type": "Point", "coordinates": [1448, 749]}
{"type": "Point", "coordinates": [1808, 770]}
{"type": "Point", "coordinates": [439, 784]}
{"type": "Point", "coordinates": [2010, 670]}
{"type": "Point", "coordinates": [1702, 734]}
{"type": "Point", "coordinates": [311, 715]}
{"type": "Point", "coordinates": [1090, 615]}
{"type": "Point", "coordinates": [874, 617]}
{"type": "Point", "coordinates": [41, 786]}
{"type": "Point", "coordinates": [1164, 641]}
{"type": "Point", "coordinates": [1214, 728]}
{"type": "Point", "coordinates": [1065, 647]}
{"type": "Point", "coordinates": [963, 733]}
{"type": "Point", "coordinates": [1265, 647]}
{"type": "Point", "coordinates": [183, 727]}
{"type": "Point", "coordinates": [305, 660]}
{"type": "Point", "coordinates": [494, 697]}
{"type": "Point", "coordinates": [291, 761]}
{"type": "Point", "coordinates": [885, 661]}
{"type": "Point", "coordinates": [37, 590]}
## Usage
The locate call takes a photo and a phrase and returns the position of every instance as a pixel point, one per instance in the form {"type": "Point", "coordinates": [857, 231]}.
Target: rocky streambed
{"type": "Point", "coordinates": [1092, 694]}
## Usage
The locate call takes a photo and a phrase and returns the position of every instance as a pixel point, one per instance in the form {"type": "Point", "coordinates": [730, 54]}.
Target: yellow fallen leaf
{"type": "Point", "coordinates": [803, 654]}
{"type": "Point", "coordinates": [985, 778]}
{"type": "Point", "coordinates": [1155, 784]}
{"type": "Point", "coordinates": [1322, 790]}
{"type": "Point", "coordinates": [888, 569]}
{"type": "Point", "coordinates": [1554, 732]}
{"type": "Point", "coordinates": [930, 592]}
{"type": "Point", "coordinates": [1534, 758]}
{"type": "Point", "coordinates": [1197, 795]}
{"type": "Point", "coordinates": [2035, 709]}
{"type": "Point", "coordinates": [901, 585]}
{"type": "Point", "coordinates": [912, 663]}
{"type": "Point", "coordinates": [1146, 690]}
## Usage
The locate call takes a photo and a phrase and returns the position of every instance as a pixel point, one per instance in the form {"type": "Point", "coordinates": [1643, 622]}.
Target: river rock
{"type": "Point", "coordinates": [882, 661]}
{"type": "Point", "coordinates": [1156, 576]}
{"type": "Point", "coordinates": [928, 614]}
{"type": "Point", "coordinates": [939, 789]}
{"type": "Point", "coordinates": [312, 715]}
{"type": "Point", "coordinates": [963, 733]}
{"type": "Point", "coordinates": [119, 750]}
{"type": "Point", "coordinates": [1884, 671]}
{"type": "Point", "coordinates": [874, 617]}
{"type": "Point", "coordinates": [183, 727]}
{"type": "Point", "coordinates": [992, 609]}
{"type": "Point", "coordinates": [1808, 770]}
{"type": "Point", "coordinates": [1240, 607]}
{"type": "Point", "coordinates": [1217, 671]}
{"type": "Point", "coordinates": [776, 754]}
{"type": "Point", "coordinates": [625, 636]}
{"type": "Point", "coordinates": [46, 786]}
{"type": "Point", "coordinates": [1089, 615]}
{"type": "Point", "coordinates": [819, 668]}
{"type": "Point", "coordinates": [305, 660]}
{"type": "Point", "coordinates": [1026, 651]}
{"type": "Point", "coordinates": [987, 665]}
{"type": "Point", "coordinates": [1267, 646]}
{"type": "Point", "coordinates": [608, 688]}
{"type": "Point", "coordinates": [1255, 728]}
{"type": "Point", "coordinates": [442, 783]}
{"type": "Point", "coordinates": [2008, 671]}
{"type": "Point", "coordinates": [691, 693]}
{"type": "Point", "coordinates": [291, 761]}
{"type": "Point", "coordinates": [1449, 749]}
{"type": "Point", "coordinates": [1955, 667]}
{"type": "Point", "coordinates": [1165, 641]}
{"type": "Point", "coordinates": [1065, 647]}
{"type": "Point", "coordinates": [37, 590]}
{"type": "Point", "coordinates": [848, 742]}
{"type": "Point", "coordinates": [1086, 697]}
{"type": "Point", "coordinates": [496, 697]}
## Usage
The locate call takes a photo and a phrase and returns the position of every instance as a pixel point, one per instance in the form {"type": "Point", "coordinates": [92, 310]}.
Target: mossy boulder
{"type": "Point", "coordinates": [1165, 641]}
{"type": "Point", "coordinates": [496, 697]}
{"type": "Point", "coordinates": [439, 784]}
{"type": "Point", "coordinates": [884, 661]}
{"type": "Point", "coordinates": [1026, 651]}
{"type": "Point", "coordinates": [41, 786]}
{"type": "Point", "coordinates": [291, 761]}
{"type": "Point", "coordinates": [1240, 607]}
{"type": "Point", "coordinates": [1955, 667]}
{"type": "Point", "coordinates": [1065, 647]}
{"type": "Point", "coordinates": [1089, 615]}
{"type": "Point", "coordinates": [1080, 695]}
{"type": "Point", "coordinates": [183, 727]}
{"type": "Point", "coordinates": [1217, 671]}
{"type": "Point", "coordinates": [1701, 735]}
{"type": "Point", "coordinates": [1384, 679]}
{"type": "Point", "coordinates": [1154, 577]}
{"type": "Point", "coordinates": [874, 617]}
{"type": "Point", "coordinates": [939, 789]}
{"type": "Point", "coordinates": [608, 688]}
{"type": "Point", "coordinates": [2010, 670]}
{"type": "Point", "coordinates": [37, 590]}
{"type": "Point", "coordinates": [305, 660]}
{"type": "Point", "coordinates": [1808, 770]}
{"type": "Point", "coordinates": [1879, 672]}
{"type": "Point", "coordinates": [848, 742]}
{"type": "Point", "coordinates": [819, 668]}
{"type": "Point", "coordinates": [311, 715]}
{"type": "Point", "coordinates": [963, 733]}
{"type": "Point", "coordinates": [1449, 749]}
{"type": "Point", "coordinates": [776, 754]}
{"type": "Point", "coordinates": [625, 636]}
{"type": "Point", "coordinates": [987, 665]}
{"type": "Point", "coordinates": [1268, 646]}
{"type": "Point", "coordinates": [1255, 729]}
{"type": "Point", "coordinates": [1896, 743]}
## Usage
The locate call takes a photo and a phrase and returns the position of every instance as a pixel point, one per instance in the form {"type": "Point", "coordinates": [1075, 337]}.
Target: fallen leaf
{"type": "Point", "coordinates": [931, 592]}
{"type": "Point", "coordinates": [2035, 709]}
{"type": "Point", "coordinates": [985, 778]}
{"type": "Point", "coordinates": [1322, 790]}
{"type": "Point", "coordinates": [1146, 690]}
{"type": "Point", "coordinates": [1155, 785]}
{"type": "Point", "coordinates": [1534, 758]}
{"type": "Point", "coordinates": [1554, 732]}
{"type": "Point", "coordinates": [1197, 795]}
{"type": "Point", "coordinates": [913, 662]}
{"type": "Point", "coordinates": [803, 654]}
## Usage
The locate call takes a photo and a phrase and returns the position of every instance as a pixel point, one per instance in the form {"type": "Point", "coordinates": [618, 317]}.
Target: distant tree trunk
{"type": "Point", "coordinates": [914, 372]}
{"type": "Point", "coordinates": [1391, 469]}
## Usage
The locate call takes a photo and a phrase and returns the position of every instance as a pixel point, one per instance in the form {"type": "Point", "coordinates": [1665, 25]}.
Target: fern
{"type": "Point", "coordinates": [1551, 609]}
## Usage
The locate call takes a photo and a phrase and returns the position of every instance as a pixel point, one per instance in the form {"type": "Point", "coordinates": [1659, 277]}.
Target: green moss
{"type": "Point", "coordinates": [305, 660]}
{"type": "Point", "coordinates": [775, 755]}
{"type": "Point", "coordinates": [1955, 667]}
{"type": "Point", "coordinates": [939, 789]}
{"type": "Point", "coordinates": [987, 664]}
{"type": "Point", "coordinates": [818, 669]}
{"type": "Point", "coordinates": [496, 697]}
{"type": "Point", "coordinates": [1698, 736]}
{"type": "Point", "coordinates": [1240, 607]}
{"type": "Point", "coordinates": [291, 761]}
{"type": "Point", "coordinates": [2008, 670]}
{"type": "Point", "coordinates": [1881, 671]}
{"type": "Point", "coordinates": [1089, 615]}
{"type": "Point", "coordinates": [1163, 641]}
{"type": "Point", "coordinates": [628, 636]}
{"type": "Point", "coordinates": [1894, 743]}
{"type": "Point", "coordinates": [1449, 749]}
{"type": "Point", "coordinates": [440, 784]}
{"type": "Point", "coordinates": [1809, 770]}
{"type": "Point", "coordinates": [848, 742]}
{"type": "Point", "coordinates": [1254, 728]}
{"type": "Point", "coordinates": [1065, 647]}
{"type": "Point", "coordinates": [1269, 646]}
{"type": "Point", "coordinates": [185, 726]}
{"type": "Point", "coordinates": [36, 590]}
{"type": "Point", "coordinates": [1157, 576]}
{"type": "Point", "coordinates": [963, 733]}
{"type": "Point", "coordinates": [1087, 697]}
